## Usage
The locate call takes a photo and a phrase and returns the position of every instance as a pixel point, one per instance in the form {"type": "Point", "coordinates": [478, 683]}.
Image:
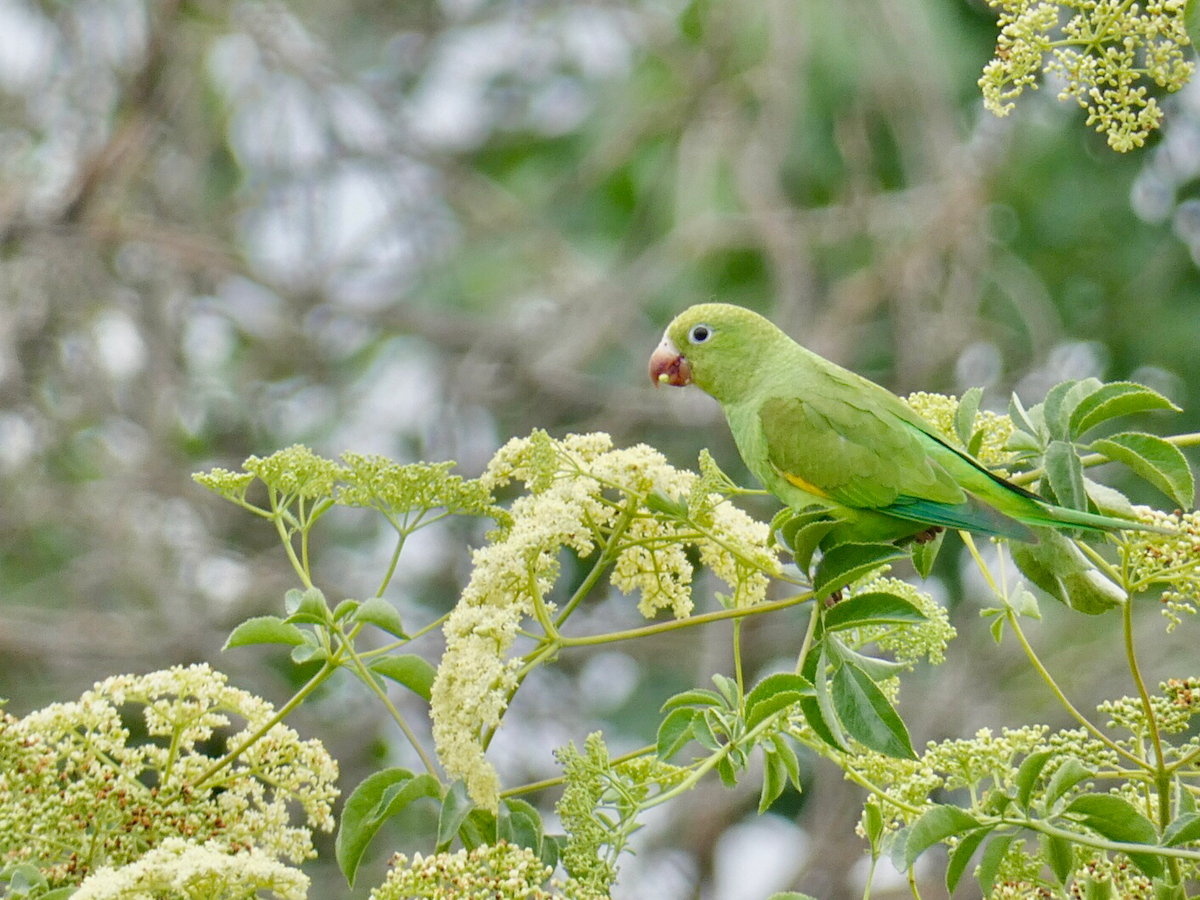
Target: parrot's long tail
{"type": "Point", "coordinates": [1061, 515]}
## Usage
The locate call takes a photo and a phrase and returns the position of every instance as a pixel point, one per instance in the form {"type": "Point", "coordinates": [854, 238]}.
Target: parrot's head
{"type": "Point", "coordinates": [715, 346]}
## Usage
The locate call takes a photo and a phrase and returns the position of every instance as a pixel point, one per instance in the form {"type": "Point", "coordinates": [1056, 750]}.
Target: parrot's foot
{"type": "Point", "coordinates": [833, 598]}
{"type": "Point", "coordinates": [924, 537]}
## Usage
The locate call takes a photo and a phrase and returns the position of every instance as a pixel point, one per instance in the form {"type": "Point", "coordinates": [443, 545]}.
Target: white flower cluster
{"type": "Point", "coordinates": [182, 870]}
{"type": "Point", "coordinates": [500, 871]}
{"type": "Point", "coordinates": [583, 495]}
{"type": "Point", "coordinates": [75, 791]}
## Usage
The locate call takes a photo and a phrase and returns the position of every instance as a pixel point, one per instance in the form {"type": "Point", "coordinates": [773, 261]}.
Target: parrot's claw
{"type": "Point", "coordinates": [929, 534]}
{"type": "Point", "coordinates": [833, 598]}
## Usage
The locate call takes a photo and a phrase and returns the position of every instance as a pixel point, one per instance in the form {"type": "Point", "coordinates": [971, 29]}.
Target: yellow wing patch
{"type": "Point", "coordinates": [803, 485]}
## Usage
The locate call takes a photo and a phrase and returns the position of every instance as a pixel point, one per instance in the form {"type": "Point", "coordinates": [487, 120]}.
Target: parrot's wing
{"type": "Point", "coordinates": [854, 453]}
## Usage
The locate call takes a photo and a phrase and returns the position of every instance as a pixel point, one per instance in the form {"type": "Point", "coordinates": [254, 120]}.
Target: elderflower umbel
{"type": "Point", "coordinates": [182, 870]}
{"type": "Point", "coordinates": [939, 411]}
{"type": "Point", "coordinates": [75, 791]}
{"type": "Point", "coordinates": [1102, 53]}
{"type": "Point", "coordinates": [1171, 561]}
{"type": "Point", "coordinates": [583, 495]}
{"type": "Point", "coordinates": [909, 643]}
{"type": "Point", "coordinates": [500, 871]}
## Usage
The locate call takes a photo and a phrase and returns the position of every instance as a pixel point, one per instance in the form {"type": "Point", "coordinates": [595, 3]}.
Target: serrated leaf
{"type": "Point", "coordinates": [1184, 801]}
{"type": "Point", "coordinates": [804, 532]}
{"type": "Point", "coordinates": [1117, 819]}
{"type": "Point", "coordinates": [961, 855]}
{"type": "Point", "coordinates": [400, 797]}
{"type": "Point", "coordinates": [1184, 830]}
{"type": "Point", "coordinates": [1064, 471]}
{"type": "Point", "coordinates": [359, 821]}
{"type": "Point", "coordinates": [344, 609]}
{"type": "Point", "coordinates": [1059, 855]}
{"type": "Point", "coordinates": [728, 688]}
{"type": "Point", "coordinates": [1108, 500]}
{"type": "Point", "coordinates": [875, 667]}
{"type": "Point", "coordinates": [934, 826]}
{"type": "Point", "coordinates": [380, 613]}
{"type": "Point", "coordinates": [1120, 398]}
{"type": "Point", "coordinates": [787, 756]}
{"type": "Point", "coordinates": [818, 711]}
{"type": "Point", "coordinates": [1027, 775]}
{"type": "Point", "coordinates": [308, 652]}
{"type": "Point", "coordinates": [989, 863]}
{"type": "Point", "coordinates": [873, 608]}
{"type": "Point", "coordinates": [478, 829]}
{"type": "Point", "coordinates": [774, 780]}
{"type": "Point", "coordinates": [519, 823]}
{"type": "Point", "coordinates": [702, 729]}
{"type": "Point", "coordinates": [1055, 411]}
{"type": "Point", "coordinates": [674, 732]}
{"type": "Point", "coordinates": [867, 715]}
{"type": "Point", "coordinates": [924, 555]}
{"type": "Point", "coordinates": [1023, 421]}
{"type": "Point", "coordinates": [964, 416]}
{"type": "Point", "coordinates": [1065, 777]}
{"type": "Point", "coordinates": [1154, 459]}
{"type": "Point", "coordinates": [408, 669]}
{"type": "Point", "coordinates": [264, 630]}
{"type": "Point", "coordinates": [694, 697]}
{"type": "Point", "coordinates": [307, 606]}
{"type": "Point", "coordinates": [773, 693]}
{"type": "Point", "coordinates": [846, 562]}
{"type": "Point", "coordinates": [727, 772]}
{"type": "Point", "coordinates": [456, 806]}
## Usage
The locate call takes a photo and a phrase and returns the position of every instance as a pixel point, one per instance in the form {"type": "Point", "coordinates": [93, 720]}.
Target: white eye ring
{"type": "Point", "coordinates": [699, 334]}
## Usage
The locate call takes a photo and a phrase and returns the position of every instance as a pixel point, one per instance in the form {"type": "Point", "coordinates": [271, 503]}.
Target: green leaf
{"type": "Point", "coordinates": [877, 668]}
{"type": "Point", "coordinates": [1027, 774]}
{"type": "Point", "coordinates": [1159, 462]}
{"type": "Point", "coordinates": [1023, 421]}
{"type": "Point", "coordinates": [804, 531]}
{"type": "Point", "coordinates": [359, 822]}
{"type": "Point", "coordinates": [1064, 778]}
{"type": "Point", "coordinates": [989, 863]}
{"type": "Point", "coordinates": [264, 630]}
{"type": "Point", "coordinates": [1056, 409]}
{"type": "Point", "coordinates": [727, 772]}
{"type": "Point", "coordinates": [773, 693]}
{"type": "Point", "coordinates": [846, 562]}
{"type": "Point", "coordinates": [924, 555]}
{"type": "Point", "coordinates": [702, 728]}
{"type": "Point", "coordinates": [398, 798]}
{"type": "Point", "coordinates": [694, 697]}
{"type": "Point", "coordinates": [456, 806]}
{"type": "Point", "coordinates": [520, 823]}
{"type": "Point", "coordinates": [380, 613]}
{"type": "Point", "coordinates": [1109, 501]}
{"type": "Point", "coordinates": [774, 780]}
{"type": "Point", "coordinates": [408, 669]}
{"type": "Point", "coordinates": [1184, 830]}
{"type": "Point", "coordinates": [964, 416]}
{"type": "Point", "coordinates": [1059, 854]}
{"type": "Point", "coordinates": [1191, 21]}
{"type": "Point", "coordinates": [1120, 398]}
{"type": "Point", "coordinates": [674, 732]}
{"type": "Point", "coordinates": [787, 756]}
{"type": "Point", "coordinates": [1117, 819]}
{"type": "Point", "coordinates": [1184, 801]}
{"type": "Point", "coordinates": [933, 827]}
{"type": "Point", "coordinates": [873, 608]}
{"type": "Point", "coordinates": [1064, 471]}
{"type": "Point", "coordinates": [791, 895]}
{"type": "Point", "coordinates": [344, 609]}
{"type": "Point", "coordinates": [728, 688]}
{"type": "Point", "coordinates": [867, 715]}
{"type": "Point", "coordinates": [478, 828]}
{"type": "Point", "coordinates": [961, 855]}
{"type": "Point", "coordinates": [818, 711]}
{"type": "Point", "coordinates": [307, 606]}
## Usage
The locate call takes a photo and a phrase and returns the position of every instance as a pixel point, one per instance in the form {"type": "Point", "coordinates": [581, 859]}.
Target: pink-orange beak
{"type": "Point", "coordinates": [669, 366]}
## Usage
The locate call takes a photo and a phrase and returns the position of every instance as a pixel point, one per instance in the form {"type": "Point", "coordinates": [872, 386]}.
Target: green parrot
{"type": "Point", "coordinates": [815, 433]}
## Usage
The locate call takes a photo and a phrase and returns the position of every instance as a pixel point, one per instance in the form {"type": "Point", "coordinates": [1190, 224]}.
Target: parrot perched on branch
{"type": "Point", "coordinates": [815, 433]}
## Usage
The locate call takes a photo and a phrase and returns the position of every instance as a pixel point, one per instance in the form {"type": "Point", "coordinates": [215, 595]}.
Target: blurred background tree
{"type": "Point", "coordinates": [420, 228]}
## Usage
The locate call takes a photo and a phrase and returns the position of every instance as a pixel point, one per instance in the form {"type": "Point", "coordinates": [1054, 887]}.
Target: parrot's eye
{"type": "Point", "coordinates": [699, 334]}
